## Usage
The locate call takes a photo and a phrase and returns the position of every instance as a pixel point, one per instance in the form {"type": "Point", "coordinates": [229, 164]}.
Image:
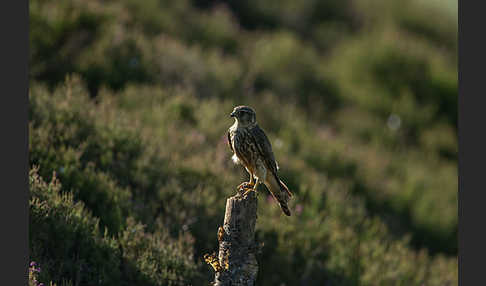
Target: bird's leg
{"type": "Point", "coordinates": [253, 187]}
{"type": "Point", "coordinates": [251, 183]}
{"type": "Point", "coordinates": [246, 185]}
{"type": "Point", "coordinates": [261, 174]}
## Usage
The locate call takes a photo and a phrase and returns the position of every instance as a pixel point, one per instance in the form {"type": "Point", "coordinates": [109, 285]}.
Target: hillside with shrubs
{"type": "Point", "coordinates": [129, 105]}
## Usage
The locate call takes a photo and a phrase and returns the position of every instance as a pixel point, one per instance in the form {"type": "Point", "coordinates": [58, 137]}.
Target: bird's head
{"type": "Point", "coordinates": [244, 115]}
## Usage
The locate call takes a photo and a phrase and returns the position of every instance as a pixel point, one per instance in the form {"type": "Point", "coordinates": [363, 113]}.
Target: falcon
{"type": "Point", "coordinates": [252, 149]}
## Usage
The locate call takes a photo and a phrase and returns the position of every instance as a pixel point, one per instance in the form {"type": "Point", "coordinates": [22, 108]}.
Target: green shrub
{"type": "Point", "coordinates": [65, 238]}
{"type": "Point", "coordinates": [65, 138]}
{"type": "Point", "coordinates": [285, 65]}
{"type": "Point", "coordinates": [153, 259]}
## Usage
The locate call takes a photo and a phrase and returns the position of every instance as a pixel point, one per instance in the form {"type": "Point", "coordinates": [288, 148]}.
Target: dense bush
{"type": "Point", "coordinates": [129, 104]}
{"type": "Point", "coordinates": [66, 239]}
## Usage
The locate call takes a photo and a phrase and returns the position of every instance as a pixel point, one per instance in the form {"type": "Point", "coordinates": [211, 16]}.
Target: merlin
{"type": "Point", "coordinates": [252, 149]}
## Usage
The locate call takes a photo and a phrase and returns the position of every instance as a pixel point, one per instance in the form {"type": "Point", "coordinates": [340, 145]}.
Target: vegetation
{"type": "Point", "coordinates": [129, 105]}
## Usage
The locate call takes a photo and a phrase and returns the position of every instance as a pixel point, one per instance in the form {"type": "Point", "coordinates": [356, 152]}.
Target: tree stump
{"type": "Point", "coordinates": [237, 248]}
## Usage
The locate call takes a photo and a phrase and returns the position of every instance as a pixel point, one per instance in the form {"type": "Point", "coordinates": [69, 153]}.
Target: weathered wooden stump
{"type": "Point", "coordinates": [237, 248]}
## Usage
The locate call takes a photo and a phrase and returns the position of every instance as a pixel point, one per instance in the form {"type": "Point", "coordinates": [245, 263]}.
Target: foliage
{"type": "Point", "coordinates": [129, 104]}
{"type": "Point", "coordinates": [69, 244]}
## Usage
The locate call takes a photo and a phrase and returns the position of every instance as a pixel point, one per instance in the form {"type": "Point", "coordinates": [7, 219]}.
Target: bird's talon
{"type": "Point", "coordinates": [245, 185]}
{"type": "Point", "coordinates": [241, 186]}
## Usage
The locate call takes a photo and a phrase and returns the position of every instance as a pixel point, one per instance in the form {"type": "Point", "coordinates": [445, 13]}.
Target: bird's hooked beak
{"type": "Point", "coordinates": [233, 114]}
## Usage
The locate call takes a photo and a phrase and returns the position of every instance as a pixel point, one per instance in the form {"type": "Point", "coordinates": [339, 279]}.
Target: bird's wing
{"type": "Point", "coordinates": [265, 148]}
{"type": "Point", "coordinates": [229, 142]}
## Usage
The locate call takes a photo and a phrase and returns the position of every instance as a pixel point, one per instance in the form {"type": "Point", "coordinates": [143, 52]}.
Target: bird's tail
{"type": "Point", "coordinates": [280, 192]}
{"type": "Point", "coordinates": [285, 188]}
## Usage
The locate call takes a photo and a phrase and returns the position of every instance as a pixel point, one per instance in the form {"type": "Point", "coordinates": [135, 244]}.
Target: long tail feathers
{"type": "Point", "coordinates": [285, 209]}
{"type": "Point", "coordinates": [285, 188]}
{"type": "Point", "coordinates": [280, 192]}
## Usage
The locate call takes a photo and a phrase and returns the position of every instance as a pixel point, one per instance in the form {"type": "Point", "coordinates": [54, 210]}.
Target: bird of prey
{"type": "Point", "coordinates": [252, 149]}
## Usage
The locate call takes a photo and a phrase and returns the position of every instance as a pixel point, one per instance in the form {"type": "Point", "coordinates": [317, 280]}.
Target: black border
{"type": "Point", "coordinates": [472, 144]}
{"type": "Point", "coordinates": [14, 218]}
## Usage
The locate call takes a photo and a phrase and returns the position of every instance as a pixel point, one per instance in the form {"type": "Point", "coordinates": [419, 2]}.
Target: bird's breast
{"type": "Point", "coordinates": [244, 146]}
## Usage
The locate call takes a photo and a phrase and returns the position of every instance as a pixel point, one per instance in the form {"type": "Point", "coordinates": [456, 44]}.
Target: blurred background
{"type": "Point", "coordinates": [130, 169]}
